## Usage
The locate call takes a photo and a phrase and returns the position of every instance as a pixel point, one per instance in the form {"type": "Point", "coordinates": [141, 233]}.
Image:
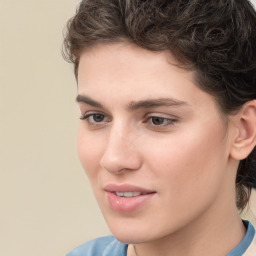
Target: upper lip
{"type": "Point", "coordinates": [126, 188]}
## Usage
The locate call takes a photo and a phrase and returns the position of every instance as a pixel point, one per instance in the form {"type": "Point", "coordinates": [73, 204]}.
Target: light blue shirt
{"type": "Point", "coordinates": [109, 246]}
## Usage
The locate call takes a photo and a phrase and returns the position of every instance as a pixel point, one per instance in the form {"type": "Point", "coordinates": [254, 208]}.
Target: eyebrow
{"type": "Point", "coordinates": [134, 105]}
{"type": "Point", "coordinates": [149, 103]}
{"type": "Point", "coordinates": [89, 101]}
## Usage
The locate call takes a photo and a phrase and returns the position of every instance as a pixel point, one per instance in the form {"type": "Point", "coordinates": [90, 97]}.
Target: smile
{"type": "Point", "coordinates": [129, 194]}
{"type": "Point", "coordinates": [128, 198]}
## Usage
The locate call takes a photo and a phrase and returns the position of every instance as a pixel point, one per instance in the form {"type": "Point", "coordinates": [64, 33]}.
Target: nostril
{"type": "Point", "coordinates": [119, 154]}
{"type": "Point", "coordinates": [112, 164]}
{"type": "Point", "coordinates": [120, 162]}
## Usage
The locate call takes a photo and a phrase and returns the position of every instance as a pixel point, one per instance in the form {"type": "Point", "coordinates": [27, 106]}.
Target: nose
{"type": "Point", "coordinates": [121, 153]}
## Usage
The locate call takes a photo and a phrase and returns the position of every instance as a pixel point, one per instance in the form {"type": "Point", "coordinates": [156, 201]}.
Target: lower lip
{"type": "Point", "coordinates": [127, 204]}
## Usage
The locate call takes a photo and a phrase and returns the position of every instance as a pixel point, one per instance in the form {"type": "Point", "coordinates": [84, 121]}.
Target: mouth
{"type": "Point", "coordinates": [127, 189]}
{"type": "Point", "coordinates": [127, 198]}
{"type": "Point", "coordinates": [129, 194]}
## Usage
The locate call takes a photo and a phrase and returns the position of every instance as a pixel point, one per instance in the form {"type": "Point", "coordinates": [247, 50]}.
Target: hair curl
{"type": "Point", "coordinates": [216, 39]}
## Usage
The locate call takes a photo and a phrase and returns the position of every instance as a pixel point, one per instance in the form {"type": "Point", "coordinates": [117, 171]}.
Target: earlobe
{"type": "Point", "coordinates": [245, 139]}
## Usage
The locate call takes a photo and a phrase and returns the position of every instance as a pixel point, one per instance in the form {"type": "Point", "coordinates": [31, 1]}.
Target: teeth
{"type": "Point", "coordinates": [128, 194]}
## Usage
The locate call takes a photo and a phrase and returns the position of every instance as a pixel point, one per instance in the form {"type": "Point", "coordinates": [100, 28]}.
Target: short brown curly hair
{"type": "Point", "coordinates": [216, 39]}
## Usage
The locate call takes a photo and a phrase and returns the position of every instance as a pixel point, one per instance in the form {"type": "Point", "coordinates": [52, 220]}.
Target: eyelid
{"type": "Point", "coordinates": [162, 115]}
{"type": "Point", "coordinates": [89, 114]}
{"type": "Point", "coordinates": [169, 121]}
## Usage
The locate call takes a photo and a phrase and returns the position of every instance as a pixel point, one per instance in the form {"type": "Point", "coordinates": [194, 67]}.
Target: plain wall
{"type": "Point", "coordinates": [46, 204]}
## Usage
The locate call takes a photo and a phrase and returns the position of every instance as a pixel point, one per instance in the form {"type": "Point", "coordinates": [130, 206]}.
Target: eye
{"type": "Point", "coordinates": [158, 122]}
{"type": "Point", "coordinates": [95, 118]}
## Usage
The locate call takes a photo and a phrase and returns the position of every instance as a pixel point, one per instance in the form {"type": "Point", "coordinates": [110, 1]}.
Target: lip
{"type": "Point", "coordinates": [126, 188]}
{"type": "Point", "coordinates": [127, 204]}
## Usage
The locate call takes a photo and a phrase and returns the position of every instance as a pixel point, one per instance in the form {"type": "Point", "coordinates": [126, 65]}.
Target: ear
{"type": "Point", "coordinates": [245, 136]}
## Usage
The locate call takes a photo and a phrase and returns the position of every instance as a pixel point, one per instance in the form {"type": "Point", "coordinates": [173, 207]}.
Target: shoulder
{"type": "Point", "coordinates": [102, 246]}
{"type": "Point", "coordinates": [251, 250]}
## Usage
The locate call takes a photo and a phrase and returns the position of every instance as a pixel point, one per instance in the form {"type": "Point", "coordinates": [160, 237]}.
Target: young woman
{"type": "Point", "coordinates": [167, 134]}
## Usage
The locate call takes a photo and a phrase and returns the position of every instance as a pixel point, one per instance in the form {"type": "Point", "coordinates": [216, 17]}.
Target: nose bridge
{"type": "Point", "coordinates": [120, 152]}
{"type": "Point", "coordinates": [120, 136]}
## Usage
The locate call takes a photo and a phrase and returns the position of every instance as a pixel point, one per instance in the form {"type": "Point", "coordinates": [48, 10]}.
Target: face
{"type": "Point", "coordinates": [154, 146]}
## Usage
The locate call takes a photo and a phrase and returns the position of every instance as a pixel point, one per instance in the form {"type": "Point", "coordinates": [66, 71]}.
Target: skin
{"type": "Point", "coordinates": [185, 158]}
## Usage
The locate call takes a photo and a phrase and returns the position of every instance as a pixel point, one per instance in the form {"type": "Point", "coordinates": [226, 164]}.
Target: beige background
{"type": "Point", "coordinates": [46, 205]}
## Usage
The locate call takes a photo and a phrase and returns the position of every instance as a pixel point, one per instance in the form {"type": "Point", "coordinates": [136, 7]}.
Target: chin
{"type": "Point", "coordinates": [134, 238]}
{"type": "Point", "coordinates": [127, 231]}
{"type": "Point", "coordinates": [133, 232]}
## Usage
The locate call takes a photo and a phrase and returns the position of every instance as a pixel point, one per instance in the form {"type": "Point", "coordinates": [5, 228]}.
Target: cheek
{"type": "Point", "coordinates": [89, 151]}
{"type": "Point", "coordinates": [188, 161]}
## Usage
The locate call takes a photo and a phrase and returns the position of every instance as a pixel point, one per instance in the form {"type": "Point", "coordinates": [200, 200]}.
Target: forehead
{"type": "Point", "coordinates": [120, 56]}
{"type": "Point", "coordinates": [123, 72]}
{"type": "Point", "coordinates": [117, 61]}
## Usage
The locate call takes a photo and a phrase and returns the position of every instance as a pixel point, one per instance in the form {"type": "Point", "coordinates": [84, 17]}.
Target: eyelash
{"type": "Point", "coordinates": [164, 121]}
{"type": "Point", "coordinates": [88, 116]}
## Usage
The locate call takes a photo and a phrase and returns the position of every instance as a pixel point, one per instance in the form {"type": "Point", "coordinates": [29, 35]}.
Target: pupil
{"type": "Point", "coordinates": [98, 118]}
{"type": "Point", "coordinates": [157, 120]}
